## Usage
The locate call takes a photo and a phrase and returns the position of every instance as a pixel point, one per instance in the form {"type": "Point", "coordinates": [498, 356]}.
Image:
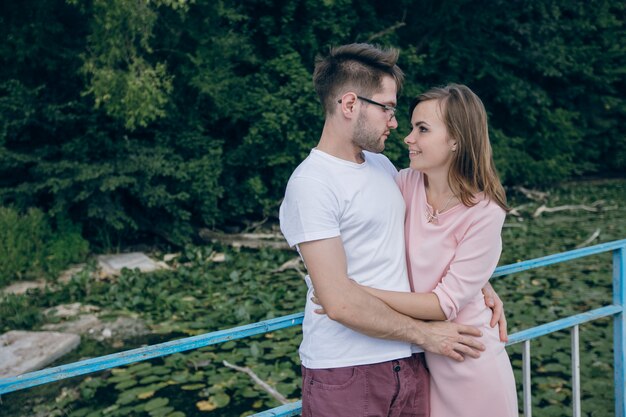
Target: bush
{"type": "Point", "coordinates": [32, 245]}
{"type": "Point", "coordinates": [18, 312]}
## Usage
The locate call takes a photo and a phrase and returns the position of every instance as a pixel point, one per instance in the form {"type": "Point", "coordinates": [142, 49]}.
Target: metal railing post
{"type": "Point", "coordinates": [575, 371]}
{"type": "Point", "coordinates": [619, 330]}
{"type": "Point", "coordinates": [528, 405]}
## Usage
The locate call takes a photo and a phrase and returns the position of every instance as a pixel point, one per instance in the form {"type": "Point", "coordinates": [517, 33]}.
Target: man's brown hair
{"type": "Point", "coordinates": [357, 67]}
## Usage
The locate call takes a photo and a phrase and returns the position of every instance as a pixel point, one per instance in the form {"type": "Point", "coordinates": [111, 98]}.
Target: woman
{"type": "Point", "coordinates": [455, 211]}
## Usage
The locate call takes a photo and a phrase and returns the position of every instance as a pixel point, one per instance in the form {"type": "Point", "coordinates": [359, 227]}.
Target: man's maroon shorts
{"type": "Point", "coordinates": [398, 388]}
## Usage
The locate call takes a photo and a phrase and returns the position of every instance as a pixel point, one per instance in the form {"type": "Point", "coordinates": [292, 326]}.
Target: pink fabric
{"type": "Point", "coordinates": [454, 259]}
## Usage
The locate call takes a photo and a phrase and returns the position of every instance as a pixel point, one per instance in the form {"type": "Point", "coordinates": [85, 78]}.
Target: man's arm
{"type": "Point", "coordinates": [425, 306]}
{"type": "Point", "coordinates": [354, 308]}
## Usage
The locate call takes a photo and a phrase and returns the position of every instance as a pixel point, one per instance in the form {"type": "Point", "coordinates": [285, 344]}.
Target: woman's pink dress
{"type": "Point", "coordinates": [454, 259]}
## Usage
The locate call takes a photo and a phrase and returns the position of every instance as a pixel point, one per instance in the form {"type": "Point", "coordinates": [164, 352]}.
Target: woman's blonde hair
{"type": "Point", "coordinates": [472, 169]}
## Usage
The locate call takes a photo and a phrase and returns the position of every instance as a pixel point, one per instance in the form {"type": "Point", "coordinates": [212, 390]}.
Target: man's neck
{"type": "Point", "coordinates": [338, 144]}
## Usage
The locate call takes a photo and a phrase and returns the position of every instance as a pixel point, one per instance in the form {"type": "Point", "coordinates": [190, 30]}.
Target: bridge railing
{"type": "Point", "coordinates": [616, 309]}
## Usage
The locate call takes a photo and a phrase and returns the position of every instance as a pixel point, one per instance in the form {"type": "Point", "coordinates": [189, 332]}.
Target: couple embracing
{"type": "Point", "coordinates": [400, 319]}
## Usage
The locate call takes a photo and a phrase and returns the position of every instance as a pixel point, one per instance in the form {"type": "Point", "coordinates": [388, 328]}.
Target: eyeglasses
{"type": "Point", "coordinates": [389, 109]}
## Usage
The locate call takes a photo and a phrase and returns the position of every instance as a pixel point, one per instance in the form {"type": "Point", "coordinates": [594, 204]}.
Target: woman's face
{"type": "Point", "coordinates": [430, 148]}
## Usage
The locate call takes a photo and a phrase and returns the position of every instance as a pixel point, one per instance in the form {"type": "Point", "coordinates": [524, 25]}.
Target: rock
{"type": "Point", "coordinates": [112, 265]}
{"type": "Point", "coordinates": [22, 286]}
{"type": "Point", "coordinates": [218, 257]}
{"type": "Point", "coordinates": [22, 351]}
{"type": "Point", "coordinates": [91, 326]}
{"type": "Point", "coordinates": [168, 257]}
{"type": "Point", "coordinates": [84, 325]}
{"type": "Point", "coordinates": [67, 275]}
{"type": "Point", "coordinates": [127, 327]}
{"type": "Point", "coordinates": [70, 310]}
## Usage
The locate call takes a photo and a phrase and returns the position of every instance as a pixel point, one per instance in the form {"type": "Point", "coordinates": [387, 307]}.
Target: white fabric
{"type": "Point", "coordinates": [328, 197]}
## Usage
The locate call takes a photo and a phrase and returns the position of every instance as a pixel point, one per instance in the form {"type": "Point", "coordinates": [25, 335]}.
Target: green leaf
{"type": "Point", "coordinates": [220, 399]}
{"type": "Point", "coordinates": [156, 403]}
{"type": "Point", "coordinates": [192, 387]}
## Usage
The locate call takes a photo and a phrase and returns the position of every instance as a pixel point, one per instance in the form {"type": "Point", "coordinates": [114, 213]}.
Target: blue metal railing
{"type": "Point", "coordinates": [616, 310]}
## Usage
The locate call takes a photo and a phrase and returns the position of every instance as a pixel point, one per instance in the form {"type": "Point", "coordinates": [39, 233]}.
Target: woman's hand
{"type": "Point", "coordinates": [494, 302]}
{"type": "Point", "coordinates": [315, 300]}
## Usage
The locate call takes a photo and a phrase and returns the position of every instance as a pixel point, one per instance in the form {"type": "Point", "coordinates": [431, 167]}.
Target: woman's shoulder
{"type": "Point", "coordinates": [408, 175]}
{"type": "Point", "coordinates": [408, 181]}
{"type": "Point", "coordinates": [488, 207]}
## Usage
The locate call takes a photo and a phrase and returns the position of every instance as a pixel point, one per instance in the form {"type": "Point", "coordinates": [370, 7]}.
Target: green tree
{"type": "Point", "coordinates": [156, 117]}
{"type": "Point", "coordinates": [549, 73]}
{"type": "Point", "coordinates": [100, 164]}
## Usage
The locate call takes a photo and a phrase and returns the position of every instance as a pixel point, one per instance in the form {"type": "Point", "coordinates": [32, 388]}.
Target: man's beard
{"type": "Point", "coordinates": [366, 138]}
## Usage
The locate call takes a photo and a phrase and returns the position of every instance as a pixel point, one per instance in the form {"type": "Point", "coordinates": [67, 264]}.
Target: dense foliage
{"type": "Point", "coordinates": [152, 117]}
{"type": "Point", "coordinates": [31, 247]}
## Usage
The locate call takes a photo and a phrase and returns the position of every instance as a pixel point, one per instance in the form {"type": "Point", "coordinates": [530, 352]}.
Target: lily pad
{"type": "Point", "coordinates": [192, 387]}
{"type": "Point", "coordinates": [220, 399]}
{"type": "Point", "coordinates": [206, 405]}
{"type": "Point", "coordinates": [156, 403]}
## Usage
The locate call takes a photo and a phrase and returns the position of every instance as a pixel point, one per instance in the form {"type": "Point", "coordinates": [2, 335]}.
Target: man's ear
{"type": "Point", "coordinates": [348, 102]}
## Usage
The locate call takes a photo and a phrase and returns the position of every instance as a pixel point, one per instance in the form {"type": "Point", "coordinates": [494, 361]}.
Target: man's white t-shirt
{"type": "Point", "coordinates": [328, 197]}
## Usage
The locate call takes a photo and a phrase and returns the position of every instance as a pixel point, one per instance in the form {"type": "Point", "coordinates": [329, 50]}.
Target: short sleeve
{"type": "Point", "coordinates": [310, 211]}
{"type": "Point", "coordinates": [475, 259]}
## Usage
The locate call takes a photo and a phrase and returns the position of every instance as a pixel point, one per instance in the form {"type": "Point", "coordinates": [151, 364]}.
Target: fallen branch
{"type": "Point", "coordinates": [532, 194]}
{"type": "Point", "coordinates": [515, 211]}
{"type": "Point", "coordinates": [294, 263]}
{"type": "Point", "coordinates": [543, 209]}
{"type": "Point", "coordinates": [248, 240]}
{"type": "Point", "coordinates": [266, 387]}
{"type": "Point", "coordinates": [253, 227]}
{"type": "Point", "coordinates": [591, 238]}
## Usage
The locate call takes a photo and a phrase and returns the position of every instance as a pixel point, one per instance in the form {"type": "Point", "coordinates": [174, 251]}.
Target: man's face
{"type": "Point", "coordinates": [374, 123]}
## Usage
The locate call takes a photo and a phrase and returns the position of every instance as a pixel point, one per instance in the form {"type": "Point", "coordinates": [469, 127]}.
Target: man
{"type": "Point", "coordinates": [344, 212]}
